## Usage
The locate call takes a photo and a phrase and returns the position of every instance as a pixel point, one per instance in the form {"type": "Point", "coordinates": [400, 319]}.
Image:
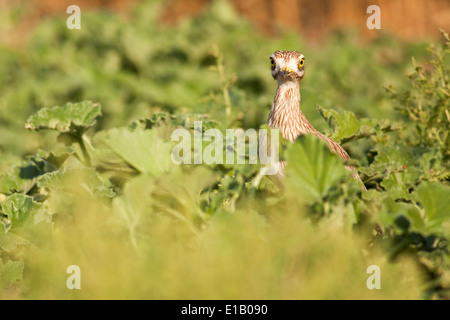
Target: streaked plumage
{"type": "Point", "coordinates": [286, 114]}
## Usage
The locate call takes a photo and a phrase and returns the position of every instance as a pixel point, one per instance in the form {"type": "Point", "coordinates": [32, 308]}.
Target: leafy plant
{"type": "Point", "coordinates": [96, 186]}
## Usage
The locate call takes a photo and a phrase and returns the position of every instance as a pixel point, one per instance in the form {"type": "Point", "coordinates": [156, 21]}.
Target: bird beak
{"type": "Point", "coordinates": [286, 71]}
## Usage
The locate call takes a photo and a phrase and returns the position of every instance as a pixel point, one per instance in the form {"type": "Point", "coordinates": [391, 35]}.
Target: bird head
{"type": "Point", "coordinates": [287, 66]}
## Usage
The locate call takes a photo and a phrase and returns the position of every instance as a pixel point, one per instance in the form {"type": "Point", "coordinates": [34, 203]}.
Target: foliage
{"type": "Point", "coordinates": [97, 187]}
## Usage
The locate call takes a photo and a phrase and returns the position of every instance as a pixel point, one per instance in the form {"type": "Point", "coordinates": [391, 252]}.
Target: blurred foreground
{"type": "Point", "coordinates": [92, 184]}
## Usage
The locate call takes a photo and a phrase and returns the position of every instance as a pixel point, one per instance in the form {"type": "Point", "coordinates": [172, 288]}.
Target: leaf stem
{"type": "Point", "coordinates": [81, 139]}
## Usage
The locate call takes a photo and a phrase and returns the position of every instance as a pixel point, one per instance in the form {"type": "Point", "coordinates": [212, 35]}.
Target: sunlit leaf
{"type": "Point", "coordinates": [25, 222]}
{"type": "Point", "coordinates": [345, 127]}
{"type": "Point", "coordinates": [142, 149]}
{"type": "Point", "coordinates": [70, 118]}
{"type": "Point", "coordinates": [312, 169]}
{"type": "Point", "coordinates": [435, 199]}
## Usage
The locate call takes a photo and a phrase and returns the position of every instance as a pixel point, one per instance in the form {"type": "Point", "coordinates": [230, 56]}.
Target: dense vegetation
{"type": "Point", "coordinates": [86, 176]}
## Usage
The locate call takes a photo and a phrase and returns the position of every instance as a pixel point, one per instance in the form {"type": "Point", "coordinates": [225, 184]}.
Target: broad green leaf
{"type": "Point", "coordinates": [13, 181]}
{"type": "Point", "coordinates": [22, 211]}
{"type": "Point", "coordinates": [371, 127]}
{"type": "Point", "coordinates": [10, 272]}
{"type": "Point", "coordinates": [394, 153]}
{"type": "Point", "coordinates": [132, 210]}
{"type": "Point", "coordinates": [345, 127]}
{"type": "Point", "coordinates": [86, 178]}
{"type": "Point", "coordinates": [54, 159]}
{"type": "Point", "coordinates": [312, 169]}
{"type": "Point", "coordinates": [343, 124]}
{"type": "Point", "coordinates": [52, 181]}
{"type": "Point", "coordinates": [142, 149]}
{"type": "Point", "coordinates": [21, 178]}
{"type": "Point", "coordinates": [435, 200]}
{"type": "Point", "coordinates": [71, 118]}
{"type": "Point", "coordinates": [397, 168]}
{"type": "Point", "coordinates": [432, 166]}
{"type": "Point", "coordinates": [395, 185]}
{"type": "Point", "coordinates": [414, 215]}
{"type": "Point", "coordinates": [387, 211]}
{"type": "Point", "coordinates": [145, 198]}
{"type": "Point", "coordinates": [8, 240]}
{"type": "Point", "coordinates": [158, 119]}
{"type": "Point", "coordinates": [25, 221]}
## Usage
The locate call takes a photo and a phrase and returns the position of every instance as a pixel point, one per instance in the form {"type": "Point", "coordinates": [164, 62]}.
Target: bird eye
{"type": "Point", "coordinates": [301, 63]}
{"type": "Point", "coordinates": [272, 63]}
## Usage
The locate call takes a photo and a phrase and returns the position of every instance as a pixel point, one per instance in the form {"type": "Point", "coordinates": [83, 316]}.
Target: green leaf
{"type": "Point", "coordinates": [343, 124]}
{"type": "Point", "coordinates": [24, 222]}
{"type": "Point", "coordinates": [414, 215]}
{"type": "Point", "coordinates": [86, 178]}
{"type": "Point", "coordinates": [388, 212]}
{"type": "Point", "coordinates": [21, 178]}
{"type": "Point", "coordinates": [397, 166]}
{"type": "Point", "coordinates": [9, 241]}
{"type": "Point", "coordinates": [10, 272]}
{"type": "Point", "coordinates": [145, 198]}
{"type": "Point", "coordinates": [435, 200]}
{"type": "Point", "coordinates": [142, 149]}
{"type": "Point", "coordinates": [345, 127]}
{"type": "Point", "coordinates": [395, 185]}
{"type": "Point", "coordinates": [312, 169]}
{"type": "Point", "coordinates": [72, 118]}
{"type": "Point", "coordinates": [158, 119]}
{"type": "Point", "coordinates": [22, 211]}
{"type": "Point", "coordinates": [13, 180]}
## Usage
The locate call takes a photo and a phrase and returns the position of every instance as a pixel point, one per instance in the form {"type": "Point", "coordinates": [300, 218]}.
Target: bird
{"type": "Point", "coordinates": [288, 68]}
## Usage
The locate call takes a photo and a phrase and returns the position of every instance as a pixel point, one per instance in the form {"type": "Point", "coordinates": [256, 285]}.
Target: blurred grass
{"type": "Point", "coordinates": [238, 256]}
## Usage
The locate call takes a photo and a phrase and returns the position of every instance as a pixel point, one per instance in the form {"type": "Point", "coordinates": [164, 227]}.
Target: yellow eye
{"type": "Point", "coordinates": [272, 63]}
{"type": "Point", "coordinates": [301, 63]}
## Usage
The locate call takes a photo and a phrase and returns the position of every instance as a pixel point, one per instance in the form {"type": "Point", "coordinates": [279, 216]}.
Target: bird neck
{"type": "Point", "coordinates": [286, 114]}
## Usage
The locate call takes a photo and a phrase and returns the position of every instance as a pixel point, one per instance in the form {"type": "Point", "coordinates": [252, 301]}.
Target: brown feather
{"type": "Point", "coordinates": [287, 116]}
